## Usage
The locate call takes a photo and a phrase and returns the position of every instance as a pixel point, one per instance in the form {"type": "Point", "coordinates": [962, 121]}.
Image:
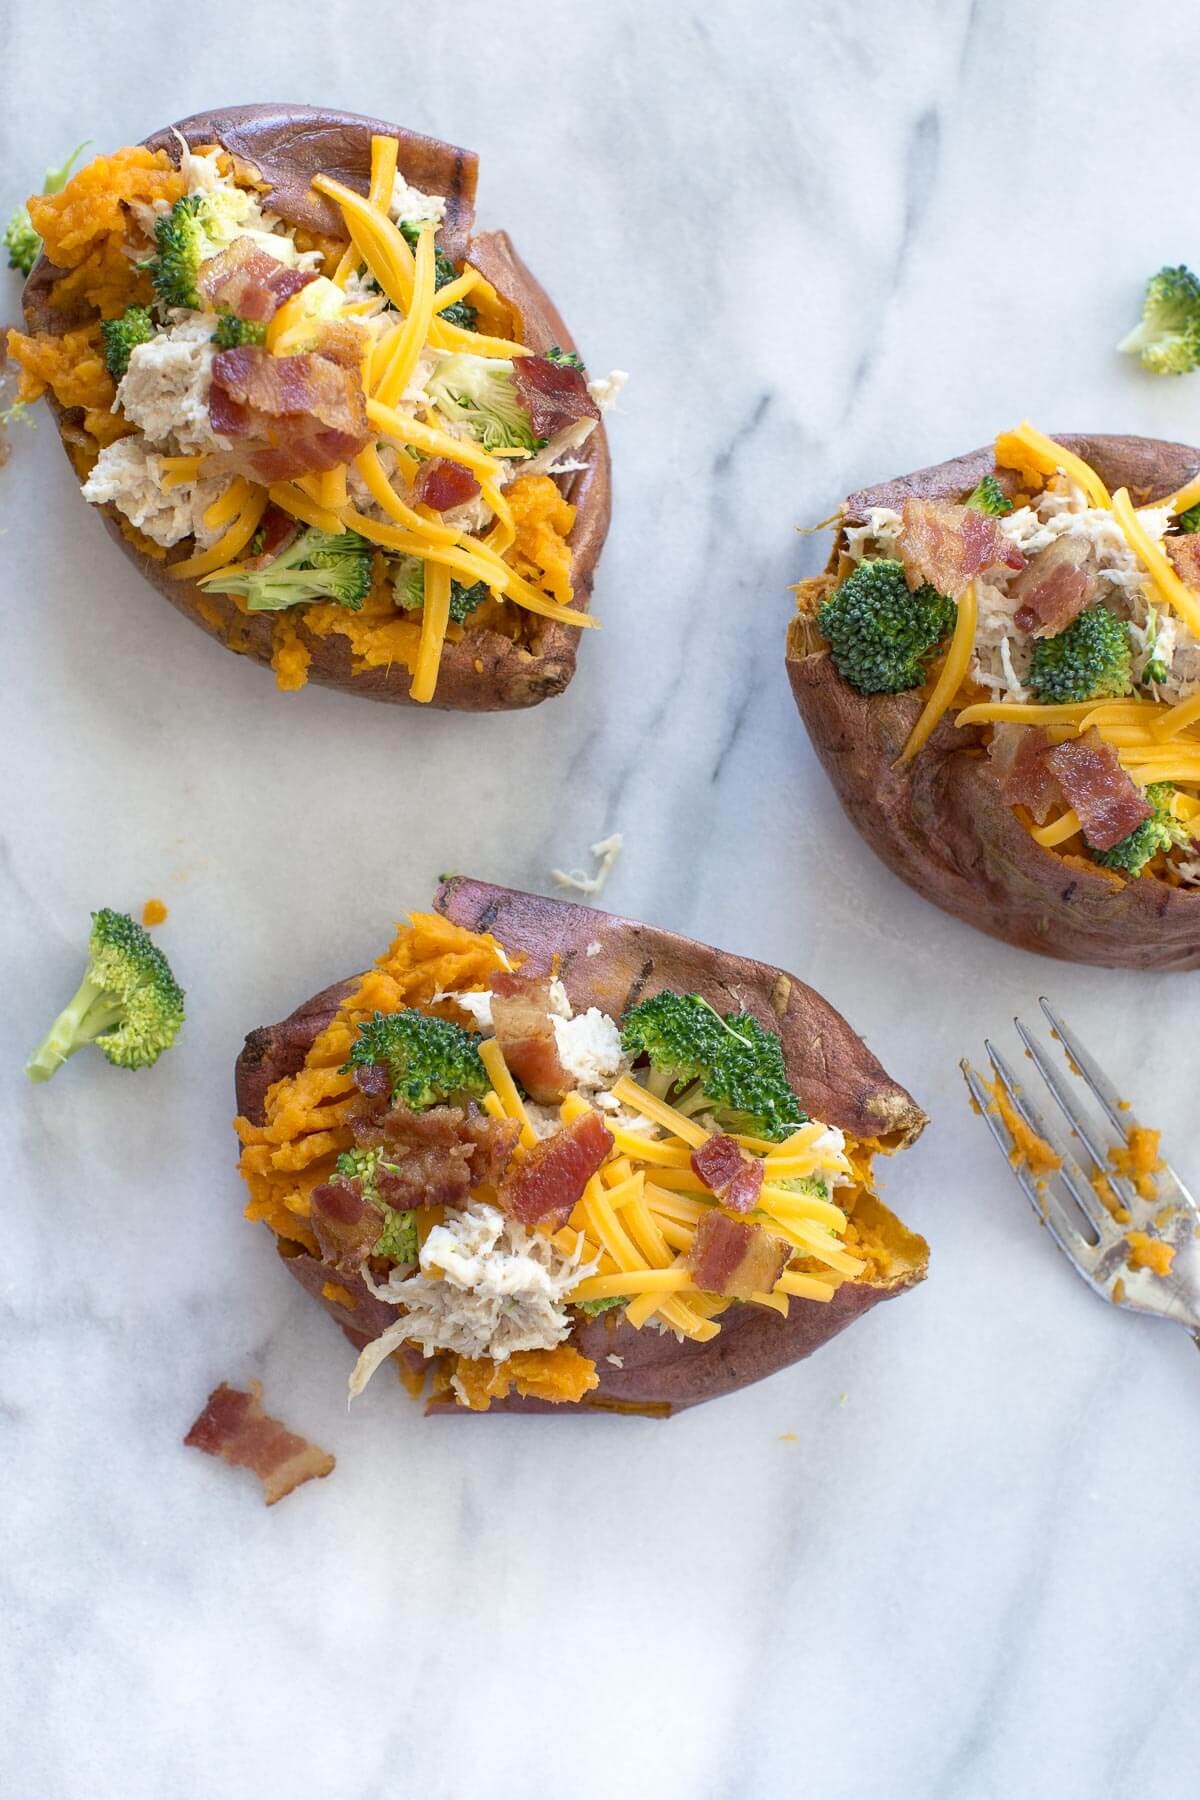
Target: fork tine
{"type": "Point", "coordinates": [1074, 1179]}
{"type": "Point", "coordinates": [1091, 1072]}
{"type": "Point", "coordinates": [1072, 1245]}
{"type": "Point", "coordinates": [1079, 1124]}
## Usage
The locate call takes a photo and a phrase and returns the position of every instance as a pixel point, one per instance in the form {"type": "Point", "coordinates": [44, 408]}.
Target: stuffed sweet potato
{"type": "Point", "coordinates": [545, 1157]}
{"type": "Point", "coordinates": [335, 429]}
{"type": "Point", "coordinates": [1000, 670]}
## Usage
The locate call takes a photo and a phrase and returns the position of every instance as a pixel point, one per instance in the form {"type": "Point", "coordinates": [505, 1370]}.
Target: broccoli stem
{"type": "Point", "coordinates": [85, 1016]}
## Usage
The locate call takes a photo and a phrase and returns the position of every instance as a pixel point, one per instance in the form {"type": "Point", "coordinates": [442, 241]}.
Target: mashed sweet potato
{"type": "Point", "coordinates": [562, 1375]}
{"type": "Point", "coordinates": [543, 520]}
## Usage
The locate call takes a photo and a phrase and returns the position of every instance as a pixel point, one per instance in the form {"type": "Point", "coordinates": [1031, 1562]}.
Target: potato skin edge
{"type": "Point", "coordinates": [834, 1072]}
{"type": "Point", "coordinates": [511, 677]}
{"type": "Point", "coordinates": [940, 822]}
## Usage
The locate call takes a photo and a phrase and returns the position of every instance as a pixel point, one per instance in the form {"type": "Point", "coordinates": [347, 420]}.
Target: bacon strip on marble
{"type": "Point", "coordinates": [548, 1181]}
{"type": "Point", "coordinates": [736, 1179]}
{"type": "Point", "coordinates": [949, 545]}
{"type": "Point", "coordinates": [234, 1427]}
{"type": "Point", "coordinates": [524, 1027]}
{"type": "Point", "coordinates": [732, 1257]}
{"type": "Point", "coordinates": [555, 393]}
{"type": "Point", "coordinates": [1108, 802]}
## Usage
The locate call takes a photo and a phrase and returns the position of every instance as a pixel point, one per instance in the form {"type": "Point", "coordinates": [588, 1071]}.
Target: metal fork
{"type": "Point", "coordinates": [1094, 1241]}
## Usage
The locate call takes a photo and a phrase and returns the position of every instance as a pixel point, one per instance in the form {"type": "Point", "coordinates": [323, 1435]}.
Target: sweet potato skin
{"type": "Point", "coordinates": [289, 144]}
{"type": "Point", "coordinates": [940, 822]}
{"type": "Point", "coordinates": [833, 1072]}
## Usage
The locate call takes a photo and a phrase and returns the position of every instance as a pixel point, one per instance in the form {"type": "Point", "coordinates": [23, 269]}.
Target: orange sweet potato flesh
{"type": "Point", "coordinates": [940, 822]}
{"type": "Point", "coordinates": [485, 671]}
{"type": "Point", "coordinates": [830, 1067]}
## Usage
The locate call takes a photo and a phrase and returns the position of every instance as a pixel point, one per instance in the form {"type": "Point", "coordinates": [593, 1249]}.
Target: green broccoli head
{"type": "Point", "coordinates": [882, 635]}
{"type": "Point", "coordinates": [128, 1004]}
{"type": "Point", "coordinates": [703, 1062]}
{"type": "Point", "coordinates": [317, 565]}
{"type": "Point", "coordinates": [989, 497]}
{"type": "Point", "coordinates": [566, 359]}
{"type": "Point", "coordinates": [1090, 660]}
{"type": "Point", "coordinates": [232, 332]}
{"type": "Point", "coordinates": [408, 588]}
{"type": "Point", "coordinates": [182, 245]}
{"type": "Point", "coordinates": [1189, 521]}
{"type": "Point", "coordinates": [398, 1238]}
{"type": "Point", "coordinates": [592, 1307]}
{"type": "Point", "coordinates": [813, 1187]}
{"type": "Point", "coordinates": [1168, 337]}
{"type": "Point", "coordinates": [122, 337]}
{"type": "Point", "coordinates": [1161, 831]}
{"type": "Point", "coordinates": [429, 1061]}
{"type": "Point", "coordinates": [22, 242]}
{"type": "Point", "coordinates": [479, 392]}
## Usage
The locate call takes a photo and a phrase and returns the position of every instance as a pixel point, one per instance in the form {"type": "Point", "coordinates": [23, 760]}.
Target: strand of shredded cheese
{"type": "Point", "coordinates": [227, 547]}
{"type": "Point", "coordinates": [1175, 592]}
{"type": "Point", "coordinates": [1042, 453]}
{"type": "Point", "coordinates": [953, 673]}
{"type": "Point", "coordinates": [403, 359]}
{"type": "Point", "coordinates": [435, 616]}
{"type": "Point", "coordinates": [291, 499]}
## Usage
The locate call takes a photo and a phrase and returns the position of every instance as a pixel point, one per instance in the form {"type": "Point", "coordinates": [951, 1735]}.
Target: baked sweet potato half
{"type": "Point", "coordinates": [338, 430]}
{"type": "Point", "coordinates": [546, 1157]}
{"type": "Point", "coordinates": [1000, 671]}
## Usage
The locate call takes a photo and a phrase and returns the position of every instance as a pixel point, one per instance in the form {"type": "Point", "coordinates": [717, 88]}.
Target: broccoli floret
{"type": "Point", "coordinates": [881, 634]}
{"type": "Point", "coordinates": [128, 1004]}
{"type": "Point", "coordinates": [1161, 831]}
{"type": "Point", "coordinates": [182, 246]}
{"type": "Point", "coordinates": [814, 1187]}
{"type": "Point", "coordinates": [1189, 521]}
{"type": "Point", "coordinates": [1168, 338]}
{"type": "Point", "coordinates": [232, 332]}
{"type": "Point", "coordinates": [408, 588]}
{"type": "Point", "coordinates": [479, 392]}
{"type": "Point", "coordinates": [398, 1239]}
{"type": "Point", "coordinates": [592, 1307]}
{"type": "Point", "coordinates": [122, 336]}
{"type": "Point", "coordinates": [461, 312]}
{"type": "Point", "coordinates": [22, 242]}
{"type": "Point", "coordinates": [1156, 668]}
{"type": "Point", "coordinates": [429, 1060]}
{"type": "Point", "coordinates": [1090, 660]}
{"type": "Point", "coordinates": [319, 565]}
{"type": "Point", "coordinates": [566, 359]}
{"type": "Point", "coordinates": [703, 1062]}
{"type": "Point", "coordinates": [989, 497]}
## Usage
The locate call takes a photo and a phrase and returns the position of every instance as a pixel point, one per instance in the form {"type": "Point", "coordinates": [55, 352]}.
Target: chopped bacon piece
{"type": "Point", "coordinates": [347, 1227]}
{"type": "Point", "coordinates": [555, 393]}
{"type": "Point", "coordinates": [234, 1427]}
{"type": "Point", "coordinates": [732, 1257]}
{"type": "Point", "coordinates": [1018, 754]}
{"type": "Point", "coordinates": [548, 1181]}
{"type": "Point", "coordinates": [949, 545]}
{"type": "Point", "coordinates": [1109, 804]}
{"type": "Point", "coordinates": [1054, 588]}
{"type": "Point", "coordinates": [1184, 552]}
{"type": "Point", "coordinates": [734, 1178]}
{"type": "Point", "coordinates": [444, 484]}
{"type": "Point", "coordinates": [299, 414]}
{"type": "Point", "coordinates": [524, 1028]}
{"type": "Point", "coordinates": [436, 1156]}
{"type": "Point", "coordinates": [249, 282]}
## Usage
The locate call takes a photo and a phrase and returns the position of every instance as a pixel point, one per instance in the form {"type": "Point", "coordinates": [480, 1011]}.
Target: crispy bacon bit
{"type": "Point", "coordinates": [732, 1257]}
{"type": "Point", "coordinates": [1054, 588]}
{"type": "Point", "coordinates": [548, 1181]}
{"type": "Point", "coordinates": [248, 282]}
{"type": "Point", "coordinates": [1109, 804]}
{"type": "Point", "coordinates": [347, 1227]}
{"type": "Point", "coordinates": [444, 484]}
{"type": "Point", "coordinates": [299, 414]}
{"type": "Point", "coordinates": [949, 545]}
{"type": "Point", "coordinates": [234, 1427]}
{"type": "Point", "coordinates": [1018, 754]}
{"type": "Point", "coordinates": [524, 1028]}
{"type": "Point", "coordinates": [372, 1079]}
{"type": "Point", "coordinates": [1184, 552]}
{"type": "Point", "coordinates": [734, 1178]}
{"type": "Point", "coordinates": [438, 1155]}
{"type": "Point", "coordinates": [556, 394]}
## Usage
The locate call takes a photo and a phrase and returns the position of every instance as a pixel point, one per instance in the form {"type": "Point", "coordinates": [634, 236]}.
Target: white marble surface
{"type": "Point", "coordinates": [954, 1555]}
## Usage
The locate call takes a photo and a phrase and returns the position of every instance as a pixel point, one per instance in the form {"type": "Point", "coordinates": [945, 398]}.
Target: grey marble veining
{"type": "Point", "coordinates": [950, 1558]}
